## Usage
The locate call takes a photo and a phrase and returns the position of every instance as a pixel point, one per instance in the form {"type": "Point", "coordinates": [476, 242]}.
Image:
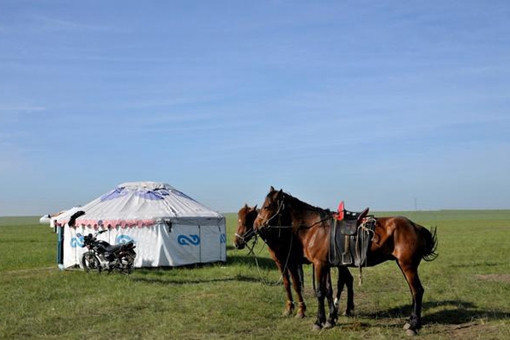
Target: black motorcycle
{"type": "Point", "coordinates": [102, 256]}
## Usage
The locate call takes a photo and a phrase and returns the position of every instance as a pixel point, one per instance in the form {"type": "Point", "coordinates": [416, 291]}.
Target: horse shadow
{"type": "Point", "coordinates": [171, 281]}
{"type": "Point", "coordinates": [159, 275]}
{"type": "Point", "coordinates": [452, 312]}
{"type": "Point", "coordinates": [248, 261]}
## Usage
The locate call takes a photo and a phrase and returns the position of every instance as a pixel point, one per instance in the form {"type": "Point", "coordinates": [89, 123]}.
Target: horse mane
{"type": "Point", "coordinates": [306, 206]}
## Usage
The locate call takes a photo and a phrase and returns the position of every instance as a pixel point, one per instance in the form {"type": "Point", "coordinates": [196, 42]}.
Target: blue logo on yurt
{"type": "Point", "coordinates": [188, 240]}
{"type": "Point", "coordinates": [77, 241]}
{"type": "Point", "coordinates": [223, 238]}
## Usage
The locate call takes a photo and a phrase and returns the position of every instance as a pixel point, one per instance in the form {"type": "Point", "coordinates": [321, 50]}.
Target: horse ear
{"type": "Point", "coordinates": [255, 207]}
{"type": "Point", "coordinates": [246, 205]}
{"type": "Point", "coordinates": [271, 189]}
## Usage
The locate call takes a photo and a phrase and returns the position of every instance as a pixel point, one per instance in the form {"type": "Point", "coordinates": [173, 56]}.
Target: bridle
{"type": "Point", "coordinates": [247, 235]}
{"type": "Point", "coordinates": [279, 213]}
{"type": "Point", "coordinates": [260, 232]}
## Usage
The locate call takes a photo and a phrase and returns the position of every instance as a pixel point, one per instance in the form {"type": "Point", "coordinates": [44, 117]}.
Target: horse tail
{"type": "Point", "coordinates": [430, 236]}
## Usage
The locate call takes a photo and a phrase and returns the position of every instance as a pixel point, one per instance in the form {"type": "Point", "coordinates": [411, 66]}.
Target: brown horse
{"type": "Point", "coordinates": [395, 238]}
{"type": "Point", "coordinates": [288, 258]}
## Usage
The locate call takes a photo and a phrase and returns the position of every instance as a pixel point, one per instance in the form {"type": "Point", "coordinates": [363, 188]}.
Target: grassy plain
{"type": "Point", "coordinates": [467, 291]}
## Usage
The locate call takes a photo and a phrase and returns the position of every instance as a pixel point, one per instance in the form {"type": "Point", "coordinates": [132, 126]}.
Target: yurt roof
{"type": "Point", "coordinates": [139, 204]}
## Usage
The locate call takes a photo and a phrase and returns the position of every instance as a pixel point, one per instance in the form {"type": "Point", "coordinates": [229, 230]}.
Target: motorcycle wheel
{"type": "Point", "coordinates": [127, 263]}
{"type": "Point", "coordinates": [90, 263]}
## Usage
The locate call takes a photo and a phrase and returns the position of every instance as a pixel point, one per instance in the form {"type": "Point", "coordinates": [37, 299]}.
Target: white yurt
{"type": "Point", "coordinates": [168, 227]}
{"type": "Point", "coordinates": [45, 219]}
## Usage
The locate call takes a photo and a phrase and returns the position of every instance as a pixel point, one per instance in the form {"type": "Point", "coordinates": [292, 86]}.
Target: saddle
{"type": "Point", "coordinates": [350, 236]}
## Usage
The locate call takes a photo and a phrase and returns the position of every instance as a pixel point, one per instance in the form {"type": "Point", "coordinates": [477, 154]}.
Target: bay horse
{"type": "Point", "coordinates": [395, 238]}
{"type": "Point", "coordinates": [287, 254]}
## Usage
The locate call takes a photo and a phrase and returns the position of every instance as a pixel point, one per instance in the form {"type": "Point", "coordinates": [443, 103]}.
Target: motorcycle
{"type": "Point", "coordinates": [101, 256]}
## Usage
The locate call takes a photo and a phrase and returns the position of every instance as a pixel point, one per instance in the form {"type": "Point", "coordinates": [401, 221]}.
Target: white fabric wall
{"type": "Point", "coordinates": [158, 245]}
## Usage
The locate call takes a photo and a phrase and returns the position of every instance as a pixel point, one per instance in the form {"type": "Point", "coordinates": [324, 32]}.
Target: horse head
{"type": "Point", "coordinates": [245, 221]}
{"type": "Point", "coordinates": [274, 211]}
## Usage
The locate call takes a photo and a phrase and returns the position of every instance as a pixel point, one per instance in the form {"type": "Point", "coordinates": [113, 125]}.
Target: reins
{"type": "Point", "coordinates": [278, 213]}
{"type": "Point", "coordinates": [245, 238]}
{"type": "Point", "coordinates": [314, 224]}
{"type": "Point", "coordinates": [279, 226]}
{"type": "Point", "coordinates": [285, 267]}
{"type": "Point", "coordinates": [280, 208]}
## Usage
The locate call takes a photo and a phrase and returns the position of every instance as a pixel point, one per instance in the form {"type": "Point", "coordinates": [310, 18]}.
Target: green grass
{"type": "Point", "coordinates": [467, 291]}
{"type": "Point", "coordinates": [19, 220]}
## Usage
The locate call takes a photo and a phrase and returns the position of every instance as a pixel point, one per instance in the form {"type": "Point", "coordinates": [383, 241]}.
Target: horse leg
{"type": "Point", "coordinates": [296, 272]}
{"type": "Point", "coordinates": [289, 305]}
{"type": "Point", "coordinates": [411, 274]}
{"type": "Point", "coordinates": [333, 310]}
{"type": "Point", "coordinates": [321, 276]}
{"type": "Point", "coordinates": [345, 279]}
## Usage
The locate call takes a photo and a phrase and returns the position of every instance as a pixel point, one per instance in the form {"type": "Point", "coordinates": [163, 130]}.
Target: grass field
{"type": "Point", "coordinates": [467, 291]}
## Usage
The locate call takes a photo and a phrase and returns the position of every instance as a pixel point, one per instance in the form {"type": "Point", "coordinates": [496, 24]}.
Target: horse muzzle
{"type": "Point", "coordinates": [240, 241]}
{"type": "Point", "coordinates": [239, 245]}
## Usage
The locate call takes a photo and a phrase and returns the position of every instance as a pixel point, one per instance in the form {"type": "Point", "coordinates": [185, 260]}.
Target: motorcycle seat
{"type": "Point", "coordinates": [112, 249]}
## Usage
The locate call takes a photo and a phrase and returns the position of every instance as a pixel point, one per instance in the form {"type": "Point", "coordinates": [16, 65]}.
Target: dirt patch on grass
{"type": "Point", "coordinates": [494, 277]}
{"type": "Point", "coordinates": [473, 330]}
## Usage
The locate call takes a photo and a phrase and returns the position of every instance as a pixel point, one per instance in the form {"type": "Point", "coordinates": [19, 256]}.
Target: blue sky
{"type": "Point", "coordinates": [387, 104]}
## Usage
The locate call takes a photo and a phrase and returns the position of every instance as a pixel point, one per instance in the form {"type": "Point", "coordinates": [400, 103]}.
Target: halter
{"type": "Point", "coordinates": [246, 236]}
{"type": "Point", "coordinates": [281, 206]}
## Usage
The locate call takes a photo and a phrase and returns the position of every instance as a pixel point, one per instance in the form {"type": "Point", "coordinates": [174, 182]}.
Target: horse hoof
{"type": "Point", "coordinates": [316, 327]}
{"type": "Point", "coordinates": [300, 315]}
{"type": "Point", "coordinates": [411, 332]}
{"type": "Point", "coordinates": [286, 314]}
{"type": "Point", "coordinates": [329, 325]}
{"type": "Point", "coordinates": [348, 313]}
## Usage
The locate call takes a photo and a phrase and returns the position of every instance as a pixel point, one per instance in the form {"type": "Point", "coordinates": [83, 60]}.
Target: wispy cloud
{"type": "Point", "coordinates": [22, 109]}
{"type": "Point", "coordinates": [270, 90]}
{"type": "Point", "coordinates": [53, 23]}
